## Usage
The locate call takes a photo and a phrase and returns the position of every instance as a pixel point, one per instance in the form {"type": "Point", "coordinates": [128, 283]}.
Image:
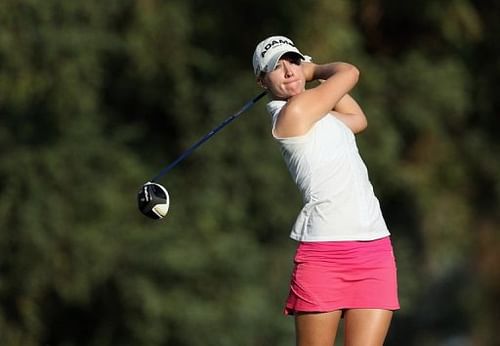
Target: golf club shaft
{"type": "Point", "coordinates": [205, 138]}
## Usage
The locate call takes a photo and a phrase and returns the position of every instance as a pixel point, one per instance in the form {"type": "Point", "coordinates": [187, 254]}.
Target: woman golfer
{"type": "Point", "coordinates": [344, 263]}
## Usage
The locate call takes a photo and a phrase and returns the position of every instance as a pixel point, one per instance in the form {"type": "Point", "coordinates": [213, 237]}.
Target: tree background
{"type": "Point", "coordinates": [97, 96]}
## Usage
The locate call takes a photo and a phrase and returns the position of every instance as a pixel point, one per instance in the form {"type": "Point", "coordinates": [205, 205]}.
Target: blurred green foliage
{"type": "Point", "coordinates": [96, 97]}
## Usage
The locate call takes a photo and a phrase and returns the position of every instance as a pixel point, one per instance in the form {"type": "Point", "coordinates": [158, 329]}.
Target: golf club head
{"type": "Point", "coordinates": [153, 200]}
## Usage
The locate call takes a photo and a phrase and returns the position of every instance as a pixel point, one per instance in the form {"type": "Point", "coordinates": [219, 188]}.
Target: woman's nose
{"type": "Point", "coordinates": [288, 70]}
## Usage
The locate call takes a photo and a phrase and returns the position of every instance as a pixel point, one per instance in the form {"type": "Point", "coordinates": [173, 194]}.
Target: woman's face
{"type": "Point", "coordinates": [287, 79]}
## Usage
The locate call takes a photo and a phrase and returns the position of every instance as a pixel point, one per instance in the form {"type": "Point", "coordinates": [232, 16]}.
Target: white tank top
{"type": "Point", "coordinates": [339, 202]}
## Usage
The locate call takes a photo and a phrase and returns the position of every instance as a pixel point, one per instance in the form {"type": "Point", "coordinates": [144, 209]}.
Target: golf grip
{"type": "Point", "coordinates": [205, 138]}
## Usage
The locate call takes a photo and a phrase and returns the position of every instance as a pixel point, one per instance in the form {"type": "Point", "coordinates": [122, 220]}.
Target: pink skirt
{"type": "Point", "coordinates": [338, 275]}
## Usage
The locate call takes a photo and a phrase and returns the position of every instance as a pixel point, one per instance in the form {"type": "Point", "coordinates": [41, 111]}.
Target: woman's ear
{"type": "Point", "coordinates": [260, 82]}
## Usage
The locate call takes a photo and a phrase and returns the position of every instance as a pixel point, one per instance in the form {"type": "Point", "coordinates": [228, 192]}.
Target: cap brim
{"type": "Point", "coordinates": [273, 61]}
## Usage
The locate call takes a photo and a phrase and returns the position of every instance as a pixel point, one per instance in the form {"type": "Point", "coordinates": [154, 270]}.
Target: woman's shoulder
{"type": "Point", "coordinates": [275, 106]}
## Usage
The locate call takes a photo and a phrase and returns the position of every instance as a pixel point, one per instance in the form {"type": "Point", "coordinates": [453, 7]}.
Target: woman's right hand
{"type": "Point", "coordinates": [308, 68]}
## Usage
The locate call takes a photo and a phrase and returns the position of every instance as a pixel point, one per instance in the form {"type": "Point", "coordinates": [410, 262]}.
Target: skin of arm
{"type": "Point", "coordinates": [350, 113]}
{"type": "Point", "coordinates": [303, 110]}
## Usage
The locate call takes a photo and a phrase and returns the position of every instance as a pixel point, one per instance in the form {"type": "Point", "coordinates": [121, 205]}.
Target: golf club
{"type": "Point", "coordinates": [153, 198]}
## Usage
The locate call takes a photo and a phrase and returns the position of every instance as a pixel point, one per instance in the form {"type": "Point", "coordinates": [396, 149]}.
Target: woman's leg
{"type": "Point", "coordinates": [366, 327]}
{"type": "Point", "coordinates": [316, 329]}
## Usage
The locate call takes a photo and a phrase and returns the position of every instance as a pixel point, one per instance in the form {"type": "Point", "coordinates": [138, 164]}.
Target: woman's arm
{"type": "Point", "coordinates": [303, 110]}
{"type": "Point", "coordinates": [347, 109]}
{"type": "Point", "coordinates": [350, 113]}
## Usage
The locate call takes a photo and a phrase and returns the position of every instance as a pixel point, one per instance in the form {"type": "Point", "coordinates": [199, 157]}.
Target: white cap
{"type": "Point", "coordinates": [268, 52]}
